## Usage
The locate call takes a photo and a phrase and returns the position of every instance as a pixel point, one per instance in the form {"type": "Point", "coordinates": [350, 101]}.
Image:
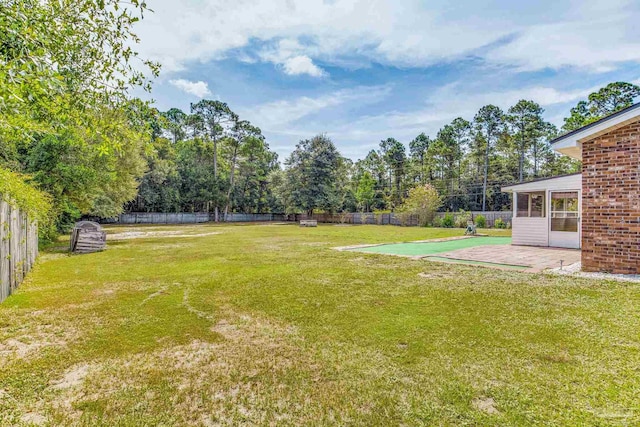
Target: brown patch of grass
{"type": "Point", "coordinates": [34, 340]}
{"type": "Point", "coordinates": [561, 357]}
{"type": "Point", "coordinates": [485, 404]}
{"type": "Point", "coordinates": [138, 234]}
{"type": "Point", "coordinates": [72, 378]}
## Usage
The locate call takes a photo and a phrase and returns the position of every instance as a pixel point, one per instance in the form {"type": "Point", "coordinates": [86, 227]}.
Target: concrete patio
{"type": "Point", "coordinates": [533, 258]}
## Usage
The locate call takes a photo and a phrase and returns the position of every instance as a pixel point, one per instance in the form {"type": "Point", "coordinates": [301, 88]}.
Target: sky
{"type": "Point", "coordinates": [365, 70]}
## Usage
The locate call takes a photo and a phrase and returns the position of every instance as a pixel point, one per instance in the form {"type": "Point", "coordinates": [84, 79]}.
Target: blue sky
{"type": "Point", "coordinates": [362, 71]}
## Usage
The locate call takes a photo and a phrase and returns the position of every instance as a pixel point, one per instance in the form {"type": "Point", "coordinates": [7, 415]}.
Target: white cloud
{"type": "Point", "coordinates": [596, 44]}
{"type": "Point", "coordinates": [300, 37]}
{"type": "Point", "coordinates": [303, 117]}
{"type": "Point", "coordinates": [465, 101]}
{"type": "Point", "coordinates": [280, 116]}
{"type": "Point", "coordinates": [447, 103]}
{"type": "Point", "coordinates": [199, 88]}
{"type": "Point", "coordinates": [302, 65]}
{"type": "Point", "coordinates": [592, 34]}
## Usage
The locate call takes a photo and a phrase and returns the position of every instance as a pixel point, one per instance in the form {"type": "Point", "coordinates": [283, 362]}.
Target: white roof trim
{"type": "Point", "coordinates": [572, 142]}
{"type": "Point", "coordinates": [565, 182]}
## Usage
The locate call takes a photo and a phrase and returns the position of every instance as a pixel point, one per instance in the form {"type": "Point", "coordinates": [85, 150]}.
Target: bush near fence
{"type": "Point", "coordinates": [21, 207]}
{"type": "Point", "coordinates": [489, 217]}
{"type": "Point", "coordinates": [403, 220]}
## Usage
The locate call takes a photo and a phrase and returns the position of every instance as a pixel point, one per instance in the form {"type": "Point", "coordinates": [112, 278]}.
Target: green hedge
{"type": "Point", "coordinates": [15, 190]}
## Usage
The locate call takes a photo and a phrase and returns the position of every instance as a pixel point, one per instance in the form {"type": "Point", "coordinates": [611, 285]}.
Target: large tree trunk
{"type": "Point", "coordinates": [215, 174]}
{"type": "Point", "coordinates": [521, 150]}
{"type": "Point", "coordinates": [261, 191]}
{"type": "Point", "coordinates": [521, 165]}
{"type": "Point", "coordinates": [231, 182]}
{"type": "Point", "coordinates": [486, 175]}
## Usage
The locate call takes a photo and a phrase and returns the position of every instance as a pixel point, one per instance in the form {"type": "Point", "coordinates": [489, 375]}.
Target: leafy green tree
{"type": "Point", "coordinates": [80, 177]}
{"type": "Point", "coordinates": [212, 119]}
{"type": "Point", "coordinates": [65, 168]}
{"type": "Point", "coordinates": [611, 98]}
{"type": "Point", "coordinates": [423, 201]}
{"type": "Point", "coordinates": [489, 122]}
{"type": "Point", "coordinates": [66, 70]}
{"type": "Point", "coordinates": [159, 189]}
{"type": "Point", "coordinates": [344, 186]}
{"type": "Point", "coordinates": [550, 163]}
{"type": "Point", "coordinates": [365, 191]}
{"type": "Point", "coordinates": [525, 120]}
{"type": "Point", "coordinates": [242, 130]}
{"type": "Point", "coordinates": [312, 175]}
{"type": "Point", "coordinates": [445, 155]}
{"type": "Point", "coordinates": [374, 163]}
{"type": "Point", "coordinates": [279, 196]}
{"type": "Point", "coordinates": [176, 123]}
{"type": "Point", "coordinates": [418, 151]}
{"type": "Point", "coordinates": [542, 154]}
{"type": "Point", "coordinates": [198, 187]}
{"type": "Point", "coordinates": [254, 191]}
{"type": "Point", "coordinates": [63, 60]}
{"type": "Point", "coordinates": [394, 154]}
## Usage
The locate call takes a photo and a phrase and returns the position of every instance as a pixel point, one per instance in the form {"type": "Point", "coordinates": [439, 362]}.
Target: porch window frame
{"type": "Point", "coordinates": [571, 217]}
{"type": "Point", "coordinates": [530, 194]}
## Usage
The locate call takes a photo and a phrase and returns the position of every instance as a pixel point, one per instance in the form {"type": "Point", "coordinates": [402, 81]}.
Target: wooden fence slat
{"type": "Point", "coordinates": [4, 251]}
{"type": "Point", "coordinates": [18, 247]}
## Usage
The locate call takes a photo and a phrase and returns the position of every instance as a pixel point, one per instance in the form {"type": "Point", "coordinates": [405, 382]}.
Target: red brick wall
{"type": "Point", "coordinates": [611, 202]}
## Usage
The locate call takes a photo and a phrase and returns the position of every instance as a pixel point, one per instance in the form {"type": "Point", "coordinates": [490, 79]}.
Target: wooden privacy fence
{"type": "Point", "coordinates": [18, 247]}
{"type": "Point", "coordinates": [342, 218]}
{"type": "Point", "coordinates": [162, 218]}
{"type": "Point", "coordinates": [361, 218]}
{"type": "Point", "coordinates": [189, 218]}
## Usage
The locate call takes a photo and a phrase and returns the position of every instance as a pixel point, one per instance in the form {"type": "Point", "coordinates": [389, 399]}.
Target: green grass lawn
{"type": "Point", "coordinates": [266, 324]}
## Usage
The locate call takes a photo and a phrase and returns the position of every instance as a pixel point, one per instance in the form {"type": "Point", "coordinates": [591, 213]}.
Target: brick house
{"type": "Point", "coordinates": [597, 210]}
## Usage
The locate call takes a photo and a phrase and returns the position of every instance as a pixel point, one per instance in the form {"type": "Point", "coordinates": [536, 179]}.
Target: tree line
{"type": "Point", "coordinates": [207, 161]}
{"type": "Point", "coordinates": [468, 161]}
{"type": "Point", "coordinates": [210, 160]}
{"type": "Point", "coordinates": [69, 127]}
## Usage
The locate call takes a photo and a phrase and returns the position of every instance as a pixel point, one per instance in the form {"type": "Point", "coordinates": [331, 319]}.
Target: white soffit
{"type": "Point", "coordinates": [565, 182]}
{"type": "Point", "coordinates": [571, 143]}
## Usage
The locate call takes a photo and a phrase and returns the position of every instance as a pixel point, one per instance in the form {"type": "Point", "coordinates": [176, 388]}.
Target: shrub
{"type": "Point", "coordinates": [448, 221]}
{"type": "Point", "coordinates": [422, 201]}
{"type": "Point", "coordinates": [463, 218]}
{"type": "Point", "coordinates": [16, 190]}
{"type": "Point", "coordinates": [437, 222]}
{"type": "Point", "coordinates": [481, 222]}
{"type": "Point", "coordinates": [499, 223]}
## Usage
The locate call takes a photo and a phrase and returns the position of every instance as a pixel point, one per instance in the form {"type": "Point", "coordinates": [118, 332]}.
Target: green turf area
{"type": "Point", "coordinates": [269, 325]}
{"type": "Point", "coordinates": [431, 248]}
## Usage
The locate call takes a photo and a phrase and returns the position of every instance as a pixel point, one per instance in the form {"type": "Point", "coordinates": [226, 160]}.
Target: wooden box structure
{"type": "Point", "coordinates": [87, 237]}
{"type": "Point", "coordinates": [308, 223]}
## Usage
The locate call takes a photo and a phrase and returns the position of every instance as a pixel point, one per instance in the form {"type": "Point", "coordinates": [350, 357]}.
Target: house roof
{"type": "Point", "coordinates": [571, 143]}
{"type": "Point", "coordinates": [541, 184]}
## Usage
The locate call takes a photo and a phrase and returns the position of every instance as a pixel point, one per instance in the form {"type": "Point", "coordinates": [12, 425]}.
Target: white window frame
{"type": "Point", "coordinates": [543, 213]}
